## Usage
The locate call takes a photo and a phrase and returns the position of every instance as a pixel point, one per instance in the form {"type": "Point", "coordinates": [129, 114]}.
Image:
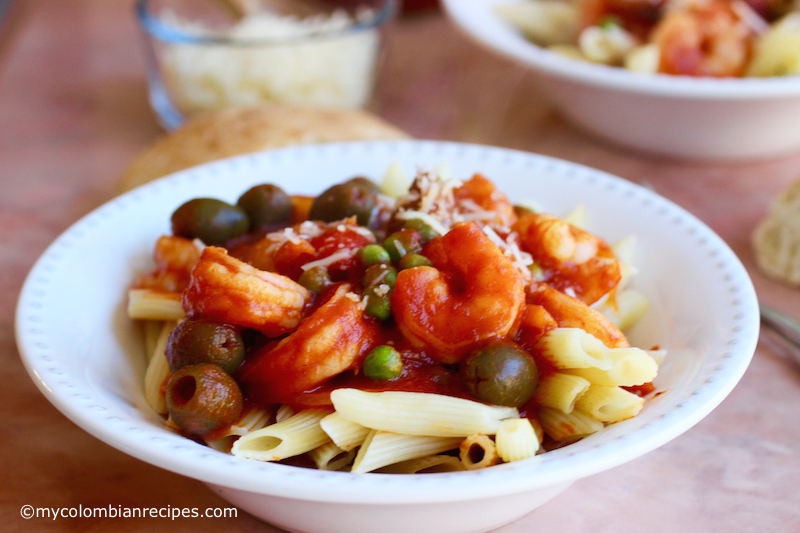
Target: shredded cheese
{"type": "Point", "coordinates": [346, 253]}
{"type": "Point", "coordinates": [292, 66]}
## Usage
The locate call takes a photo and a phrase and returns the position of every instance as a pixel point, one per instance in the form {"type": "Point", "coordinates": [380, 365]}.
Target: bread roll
{"type": "Point", "coordinates": [776, 239]}
{"type": "Point", "coordinates": [239, 130]}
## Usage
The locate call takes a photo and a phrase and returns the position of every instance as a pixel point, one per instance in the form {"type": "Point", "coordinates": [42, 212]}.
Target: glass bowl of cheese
{"type": "Point", "coordinates": [209, 54]}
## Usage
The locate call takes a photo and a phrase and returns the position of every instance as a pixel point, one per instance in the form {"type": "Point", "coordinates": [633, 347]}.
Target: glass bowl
{"type": "Point", "coordinates": [208, 54]}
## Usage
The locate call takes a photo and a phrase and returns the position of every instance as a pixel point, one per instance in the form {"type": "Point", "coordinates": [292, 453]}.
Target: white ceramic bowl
{"type": "Point", "coordinates": [675, 116]}
{"type": "Point", "coordinates": [87, 358]}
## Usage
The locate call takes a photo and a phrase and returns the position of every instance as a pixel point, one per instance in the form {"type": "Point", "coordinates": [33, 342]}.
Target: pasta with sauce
{"type": "Point", "coordinates": [445, 329]}
{"type": "Point", "coordinates": [702, 38]}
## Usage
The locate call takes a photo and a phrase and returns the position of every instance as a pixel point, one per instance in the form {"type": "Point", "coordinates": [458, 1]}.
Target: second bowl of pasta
{"type": "Point", "coordinates": [562, 345]}
{"type": "Point", "coordinates": [685, 89]}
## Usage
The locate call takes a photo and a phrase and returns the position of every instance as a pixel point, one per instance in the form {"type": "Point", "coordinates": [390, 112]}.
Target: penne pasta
{"type": "Point", "coordinates": [252, 418]}
{"type": "Point", "coordinates": [607, 45]}
{"type": "Point", "coordinates": [544, 22]}
{"type": "Point", "coordinates": [609, 404]}
{"type": "Point", "coordinates": [643, 58]}
{"type": "Point", "coordinates": [777, 51]}
{"type": "Point", "coordinates": [331, 457]}
{"type": "Point", "coordinates": [477, 451]}
{"type": "Point", "coordinates": [416, 413]}
{"type": "Point", "coordinates": [626, 309]}
{"type": "Point", "coordinates": [158, 372]}
{"type": "Point", "coordinates": [296, 435]}
{"type": "Point", "coordinates": [346, 434]}
{"type": "Point", "coordinates": [285, 412]}
{"type": "Point", "coordinates": [152, 330]}
{"type": "Point", "coordinates": [516, 440]}
{"type": "Point", "coordinates": [430, 464]}
{"type": "Point", "coordinates": [382, 448]}
{"type": "Point", "coordinates": [573, 348]}
{"type": "Point", "coordinates": [630, 367]}
{"type": "Point", "coordinates": [567, 427]}
{"type": "Point", "coordinates": [560, 390]}
{"type": "Point", "coordinates": [149, 304]}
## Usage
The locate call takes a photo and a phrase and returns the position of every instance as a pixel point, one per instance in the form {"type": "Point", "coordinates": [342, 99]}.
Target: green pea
{"type": "Point", "coordinates": [379, 304]}
{"type": "Point", "coordinates": [373, 254]}
{"type": "Point", "coordinates": [380, 274]}
{"type": "Point", "coordinates": [315, 279]}
{"type": "Point", "coordinates": [400, 243]}
{"type": "Point", "coordinates": [383, 363]}
{"type": "Point", "coordinates": [425, 230]}
{"type": "Point", "coordinates": [413, 260]}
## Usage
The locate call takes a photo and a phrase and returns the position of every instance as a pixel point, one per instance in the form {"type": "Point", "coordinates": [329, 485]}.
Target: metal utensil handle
{"type": "Point", "coordinates": [781, 323]}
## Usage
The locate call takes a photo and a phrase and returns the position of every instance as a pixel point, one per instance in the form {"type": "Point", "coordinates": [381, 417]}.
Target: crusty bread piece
{"type": "Point", "coordinates": [239, 130]}
{"type": "Point", "coordinates": [776, 238]}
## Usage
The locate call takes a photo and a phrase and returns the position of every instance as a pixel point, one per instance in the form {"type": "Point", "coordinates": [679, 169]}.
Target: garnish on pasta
{"type": "Point", "coordinates": [445, 329]}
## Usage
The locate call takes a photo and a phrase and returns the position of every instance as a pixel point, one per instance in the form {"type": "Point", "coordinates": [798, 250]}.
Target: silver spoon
{"type": "Point", "coordinates": [785, 329]}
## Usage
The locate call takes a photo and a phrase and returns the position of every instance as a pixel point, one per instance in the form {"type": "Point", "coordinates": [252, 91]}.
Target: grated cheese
{"type": "Point", "coordinates": [382, 289]}
{"type": "Point", "coordinates": [334, 257]}
{"type": "Point", "coordinates": [437, 226]}
{"type": "Point", "coordinates": [350, 295]}
{"type": "Point", "coordinates": [335, 71]}
{"type": "Point", "coordinates": [510, 248]}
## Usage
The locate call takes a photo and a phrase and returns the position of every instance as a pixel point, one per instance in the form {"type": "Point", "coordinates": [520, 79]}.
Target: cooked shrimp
{"type": "Point", "coordinates": [636, 16]}
{"type": "Point", "coordinates": [479, 198]}
{"type": "Point", "coordinates": [175, 257]}
{"type": "Point", "coordinates": [225, 289]}
{"type": "Point", "coordinates": [471, 293]}
{"type": "Point", "coordinates": [703, 38]}
{"type": "Point", "coordinates": [286, 251]}
{"type": "Point", "coordinates": [571, 259]}
{"type": "Point", "coordinates": [569, 312]}
{"type": "Point", "coordinates": [536, 321]}
{"type": "Point", "coordinates": [335, 338]}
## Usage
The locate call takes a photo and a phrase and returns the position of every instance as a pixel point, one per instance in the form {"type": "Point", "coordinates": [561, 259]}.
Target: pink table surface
{"type": "Point", "coordinates": [73, 111]}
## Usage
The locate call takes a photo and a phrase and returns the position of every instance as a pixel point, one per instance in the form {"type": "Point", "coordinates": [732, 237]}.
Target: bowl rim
{"type": "Point", "coordinates": [153, 25]}
{"type": "Point", "coordinates": [477, 21]}
{"type": "Point", "coordinates": [139, 437]}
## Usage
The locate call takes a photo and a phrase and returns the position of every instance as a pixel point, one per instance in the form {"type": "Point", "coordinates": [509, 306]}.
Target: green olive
{"type": "Point", "coordinates": [413, 260]}
{"type": "Point", "coordinates": [383, 363]}
{"type": "Point", "coordinates": [203, 341]}
{"type": "Point", "coordinates": [373, 254]}
{"type": "Point", "coordinates": [521, 210]}
{"type": "Point", "coordinates": [501, 373]}
{"type": "Point", "coordinates": [315, 279]}
{"type": "Point", "coordinates": [367, 183]}
{"type": "Point", "coordinates": [426, 232]}
{"type": "Point", "coordinates": [212, 221]}
{"type": "Point", "coordinates": [379, 304]}
{"type": "Point", "coordinates": [266, 205]}
{"type": "Point", "coordinates": [202, 398]}
{"type": "Point", "coordinates": [351, 198]}
{"type": "Point", "coordinates": [380, 274]}
{"type": "Point", "coordinates": [400, 243]}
